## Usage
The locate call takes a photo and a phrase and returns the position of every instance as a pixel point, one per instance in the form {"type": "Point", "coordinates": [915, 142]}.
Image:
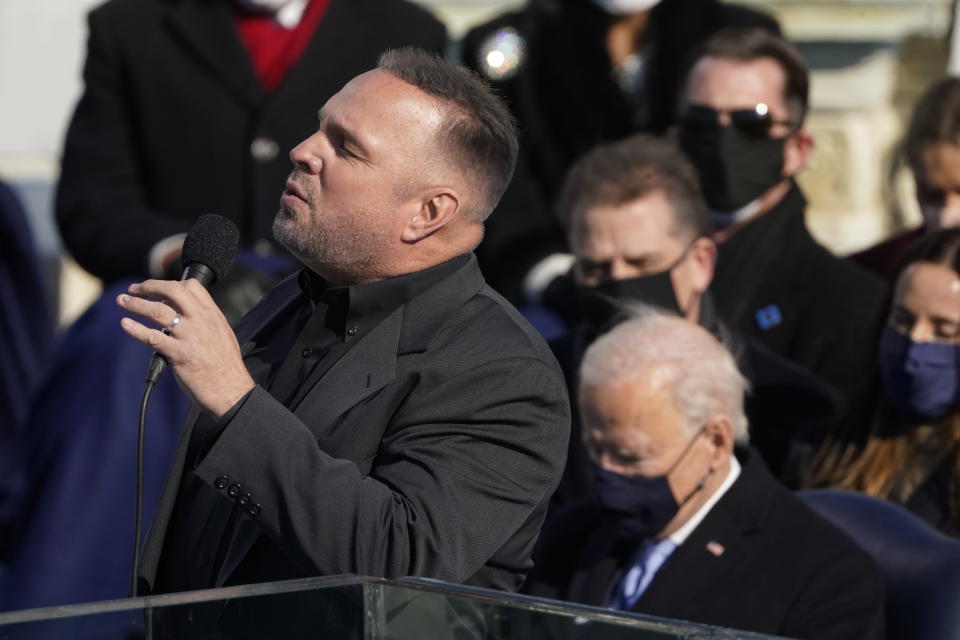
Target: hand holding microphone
{"type": "Point", "coordinates": [193, 336]}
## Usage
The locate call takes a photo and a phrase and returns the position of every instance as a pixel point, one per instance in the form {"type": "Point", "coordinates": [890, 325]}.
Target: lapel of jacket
{"type": "Point", "coordinates": [206, 29]}
{"type": "Point", "coordinates": [717, 548]}
{"type": "Point", "coordinates": [366, 368]}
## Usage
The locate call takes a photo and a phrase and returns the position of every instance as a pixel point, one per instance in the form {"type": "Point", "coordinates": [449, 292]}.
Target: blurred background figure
{"type": "Point", "coordinates": [638, 228]}
{"type": "Point", "coordinates": [577, 73]}
{"type": "Point", "coordinates": [910, 453]}
{"type": "Point", "coordinates": [685, 520]}
{"type": "Point", "coordinates": [932, 152]}
{"type": "Point", "coordinates": [741, 123]}
{"type": "Point", "coordinates": [26, 331]}
{"type": "Point", "coordinates": [189, 107]}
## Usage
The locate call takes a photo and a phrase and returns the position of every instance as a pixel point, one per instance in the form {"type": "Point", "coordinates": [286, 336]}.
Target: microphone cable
{"type": "Point", "coordinates": [208, 253]}
{"type": "Point", "coordinates": [138, 526]}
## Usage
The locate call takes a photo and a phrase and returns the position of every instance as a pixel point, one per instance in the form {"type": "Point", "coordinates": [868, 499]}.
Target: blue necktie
{"type": "Point", "coordinates": [640, 572]}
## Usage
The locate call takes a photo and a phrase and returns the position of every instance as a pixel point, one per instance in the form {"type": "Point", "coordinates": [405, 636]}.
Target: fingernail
{"type": "Point", "coordinates": [126, 323]}
{"type": "Point", "coordinates": [122, 298]}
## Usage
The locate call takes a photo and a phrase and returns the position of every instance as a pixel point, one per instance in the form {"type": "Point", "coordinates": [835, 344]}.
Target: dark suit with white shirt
{"type": "Point", "coordinates": [760, 560]}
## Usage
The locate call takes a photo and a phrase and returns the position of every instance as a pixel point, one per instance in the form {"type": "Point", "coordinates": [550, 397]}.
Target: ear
{"type": "Point", "coordinates": [718, 432]}
{"type": "Point", "coordinates": [436, 208]}
{"type": "Point", "coordinates": [796, 153]}
{"type": "Point", "coordinates": [703, 258]}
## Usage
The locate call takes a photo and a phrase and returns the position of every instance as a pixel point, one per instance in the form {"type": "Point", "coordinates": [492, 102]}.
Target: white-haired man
{"type": "Point", "coordinates": [683, 523]}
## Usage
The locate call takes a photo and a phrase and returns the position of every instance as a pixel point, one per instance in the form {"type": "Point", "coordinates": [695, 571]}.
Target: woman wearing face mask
{"type": "Point", "coordinates": [911, 454]}
{"type": "Point", "coordinates": [932, 151]}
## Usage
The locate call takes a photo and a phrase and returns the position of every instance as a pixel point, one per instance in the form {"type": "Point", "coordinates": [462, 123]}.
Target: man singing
{"type": "Point", "coordinates": [383, 412]}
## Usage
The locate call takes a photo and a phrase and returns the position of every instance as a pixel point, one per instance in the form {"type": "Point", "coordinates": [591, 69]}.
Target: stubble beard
{"type": "Point", "coordinates": [339, 249]}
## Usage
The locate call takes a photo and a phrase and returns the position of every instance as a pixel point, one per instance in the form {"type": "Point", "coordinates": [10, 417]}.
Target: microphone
{"type": "Point", "coordinates": [208, 253]}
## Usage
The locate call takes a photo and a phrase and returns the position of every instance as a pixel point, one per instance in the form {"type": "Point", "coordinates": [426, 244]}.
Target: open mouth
{"type": "Point", "coordinates": [292, 194]}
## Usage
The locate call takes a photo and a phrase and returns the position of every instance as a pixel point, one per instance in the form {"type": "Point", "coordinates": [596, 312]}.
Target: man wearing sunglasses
{"type": "Point", "coordinates": [741, 124]}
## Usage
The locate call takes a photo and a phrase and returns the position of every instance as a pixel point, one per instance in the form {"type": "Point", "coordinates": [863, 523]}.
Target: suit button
{"type": "Point", "coordinates": [234, 490]}
{"type": "Point", "coordinates": [244, 499]}
{"type": "Point", "coordinates": [353, 331]}
{"type": "Point", "coordinates": [254, 510]}
{"type": "Point", "coordinates": [204, 559]}
{"type": "Point", "coordinates": [221, 482]}
{"type": "Point", "coordinates": [306, 353]}
{"type": "Point", "coordinates": [264, 149]}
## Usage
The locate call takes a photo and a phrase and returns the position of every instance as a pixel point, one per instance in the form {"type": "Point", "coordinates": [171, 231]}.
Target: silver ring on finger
{"type": "Point", "coordinates": [173, 323]}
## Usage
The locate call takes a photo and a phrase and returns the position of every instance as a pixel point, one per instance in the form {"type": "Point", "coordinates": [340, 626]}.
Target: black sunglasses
{"type": "Point", "coordinates": [756, 121]}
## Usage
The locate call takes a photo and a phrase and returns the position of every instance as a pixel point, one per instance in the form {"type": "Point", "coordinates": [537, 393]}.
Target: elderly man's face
{"type": "Point", "coordinates": [633, 428]}
{"type": "Point", "coordinates": [355, 181]}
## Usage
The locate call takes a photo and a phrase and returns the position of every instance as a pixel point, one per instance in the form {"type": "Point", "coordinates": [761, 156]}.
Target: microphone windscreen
{"type": "Point", "coordinates": [212, 241]}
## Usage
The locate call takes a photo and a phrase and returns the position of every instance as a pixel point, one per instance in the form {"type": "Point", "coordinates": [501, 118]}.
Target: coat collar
{"type": "Point", "coordinates": [421, 317]}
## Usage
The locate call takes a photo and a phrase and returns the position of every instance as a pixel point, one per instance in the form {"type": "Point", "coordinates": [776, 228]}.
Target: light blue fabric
{"type": "Point", "coordinates": [640, 572]}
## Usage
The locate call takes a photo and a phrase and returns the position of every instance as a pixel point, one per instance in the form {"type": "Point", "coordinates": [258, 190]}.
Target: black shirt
{"type": "Point", "coordinates": [327, 322]}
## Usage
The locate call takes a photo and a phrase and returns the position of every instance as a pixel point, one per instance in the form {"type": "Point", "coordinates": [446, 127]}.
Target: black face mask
{"type": "Point", "coordinates": [642, 506]}
{"type": "Point", "coordinates": [735, 167]}
{"type": "Point", "coordinates": [602, 305]}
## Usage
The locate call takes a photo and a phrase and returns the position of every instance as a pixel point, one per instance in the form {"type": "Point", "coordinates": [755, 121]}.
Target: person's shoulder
{"type": "Point", "coordinates": [501, 326]}
{"type": "Point", "coordinates": [882, 258]}
{"type": "Point", "coordinates": [850, 282]}
{"type": "Point", "coordinates": [837, 282]}
{"type": "Point", "coordinates": [816, 543]}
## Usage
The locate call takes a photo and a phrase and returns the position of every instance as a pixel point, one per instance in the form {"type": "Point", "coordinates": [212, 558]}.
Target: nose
{"type": "Point", "coordinates": [921, 331]}
{"type": "Point", "coordinates": [305, 155]}
{"type": "Point", "coordinates": [620, 269]}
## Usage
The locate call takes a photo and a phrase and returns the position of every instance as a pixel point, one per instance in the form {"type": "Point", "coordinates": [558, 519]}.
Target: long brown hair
{"type": "Point", "coordinates": [893, 456]}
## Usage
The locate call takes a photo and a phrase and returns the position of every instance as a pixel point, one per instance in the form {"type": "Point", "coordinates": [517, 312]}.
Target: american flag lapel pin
{"type": "Point", "coordinates": [716, 548]}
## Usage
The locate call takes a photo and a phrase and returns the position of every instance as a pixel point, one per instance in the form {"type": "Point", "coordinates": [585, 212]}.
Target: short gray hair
{"type": "Point", "coordinates": [702, 373]}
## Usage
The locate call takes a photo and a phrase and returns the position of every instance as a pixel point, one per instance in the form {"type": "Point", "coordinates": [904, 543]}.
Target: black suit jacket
{"type": "Point", "coordinates": [430, 448]}
{"type": "Point", "coordinates": [783, 570]}
{"type": "Point", "coordinates": [173, 122]}
{"type": "Point", "coordinates": [828, 312]}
